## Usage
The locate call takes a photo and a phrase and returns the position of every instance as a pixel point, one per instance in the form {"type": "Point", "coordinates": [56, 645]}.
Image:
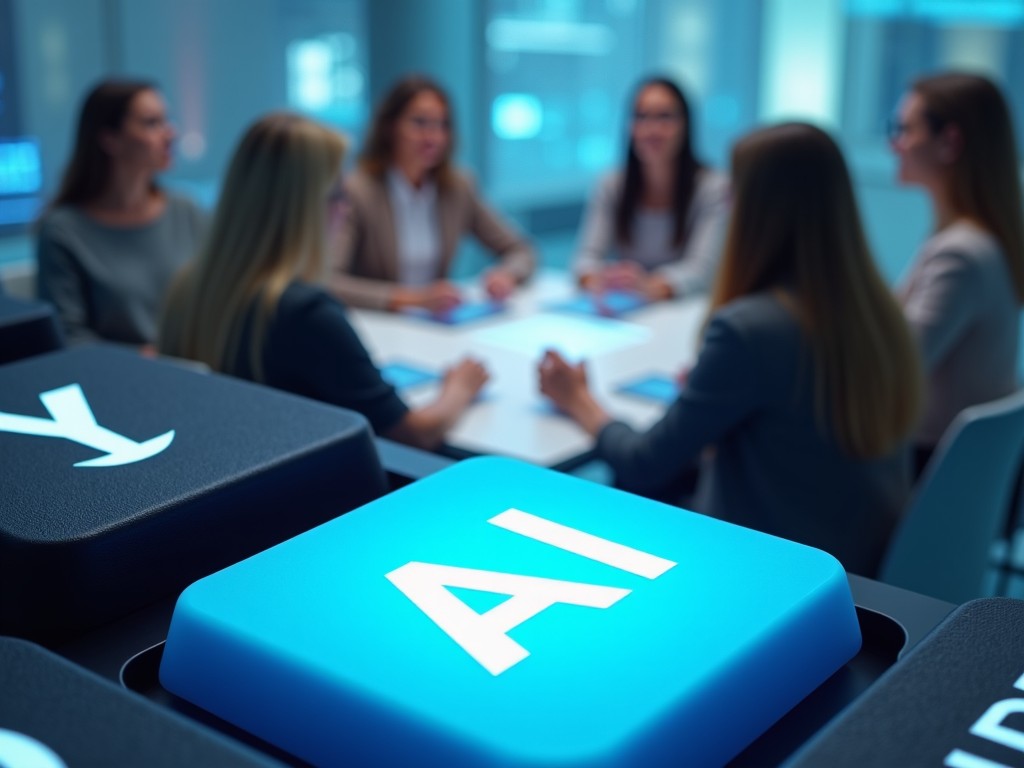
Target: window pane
{"type": "Point", "coordinates": [296, 54]}
{"type": "Point", "coordinates": [892, 42]}
{"type": "Point", "coordinates": [557, 76]}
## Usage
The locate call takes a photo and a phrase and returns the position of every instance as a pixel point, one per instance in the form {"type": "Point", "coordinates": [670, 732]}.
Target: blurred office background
{"type": "Point", "coordinates": [540, 87]}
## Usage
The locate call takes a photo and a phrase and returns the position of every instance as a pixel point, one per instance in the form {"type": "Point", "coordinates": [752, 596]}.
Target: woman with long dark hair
{"type": "Point", "coordinates": [112, 238]}
{"type": "Point", "coordinates": [954, 137]}
{"type": "Point", "coordinates": [657, 226]}
{"type": "Point", "coordinates": [807, 384]}
{"type": "Point", "coordinates": [410, 207]}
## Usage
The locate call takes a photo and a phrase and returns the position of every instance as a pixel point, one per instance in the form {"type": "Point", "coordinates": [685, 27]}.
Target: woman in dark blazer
{"type": "Point", "coordinates": [807, 386]}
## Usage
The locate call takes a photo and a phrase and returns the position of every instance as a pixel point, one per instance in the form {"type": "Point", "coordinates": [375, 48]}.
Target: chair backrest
{"type": "Point", "coordinates": [941, 547]}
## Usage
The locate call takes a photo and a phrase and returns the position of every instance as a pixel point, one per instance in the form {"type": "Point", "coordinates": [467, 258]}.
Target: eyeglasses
{"type": "Point", "coordinates": [660, 118]}
{"type": "Point", "coordinates": [896, 128]}
{"type": "Point", "coordinates": [427, 124]}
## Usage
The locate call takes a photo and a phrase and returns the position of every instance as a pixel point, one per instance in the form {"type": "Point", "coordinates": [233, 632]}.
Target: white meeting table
{"type": "Point", "coordinates": [511, 418]}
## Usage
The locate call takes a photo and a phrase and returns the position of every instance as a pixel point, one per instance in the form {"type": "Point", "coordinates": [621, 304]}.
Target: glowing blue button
{"type": "Point", "coordinates": [497, 612]}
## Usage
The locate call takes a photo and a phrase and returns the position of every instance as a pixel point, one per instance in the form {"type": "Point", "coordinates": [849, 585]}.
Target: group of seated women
{"type": "Point", "coordinates": [813, 379]}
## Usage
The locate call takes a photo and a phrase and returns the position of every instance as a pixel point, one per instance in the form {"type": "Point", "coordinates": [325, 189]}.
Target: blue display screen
{"type": "Point", "coordinates": [20, 169]}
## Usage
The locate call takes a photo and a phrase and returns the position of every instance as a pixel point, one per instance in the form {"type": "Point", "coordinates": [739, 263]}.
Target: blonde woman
{"type": "Point", "coordinates": [807, 384]}
{"type": "Point", "coordinates": [249, 304]}
{"type": "Point", "coordinates": [954, 137]}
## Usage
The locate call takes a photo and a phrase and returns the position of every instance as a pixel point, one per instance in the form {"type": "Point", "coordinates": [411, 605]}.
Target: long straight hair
{"type": "Point", "coordinates": [984, 179]}
{"type": "Point", "coordinates": [104, 111]}
{"type": "Point", "coordinates": [378, 154]}
{"type": "Point", "coordinates": [268, 230]}
{"type": "Point", "coordinates": [685, 167]}
{"type": "Point", "coordinates": [795, 229]}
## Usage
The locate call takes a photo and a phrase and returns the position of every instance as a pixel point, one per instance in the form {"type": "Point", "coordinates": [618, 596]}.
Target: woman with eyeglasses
{"type": "Point", "coordinates": [954, 136]}
{"type": "Point", "coordinates": [409, 206]}
{"type": "Point", "coordinates": [111, 240]}
{"type": "Point", "coordinates": [248, 304]}
{"type": "Point", "coordinates": [806, 388]}
{"type": "Point", "coordinates": [655, 228]}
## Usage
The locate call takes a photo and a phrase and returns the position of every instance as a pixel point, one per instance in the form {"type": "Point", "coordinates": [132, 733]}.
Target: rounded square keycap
{"type": "Point", "coordinates": [54, 714]}
{"type": "Point", "coordinates": [501, 613]}
{"type": "Point", "coordinates": [956, 700]}
{"type": "Point", "coordinates": [126, 479]}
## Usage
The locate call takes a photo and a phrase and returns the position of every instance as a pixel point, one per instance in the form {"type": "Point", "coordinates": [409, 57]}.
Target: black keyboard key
{"type": "Point", "coordinates": [956, 700]}
{"type": "Point", "coordinates": [126, 479]}
{"type": "Point", "coordinates": [55, 714]}
{"type": "Point", "coordinates": [27, 328]}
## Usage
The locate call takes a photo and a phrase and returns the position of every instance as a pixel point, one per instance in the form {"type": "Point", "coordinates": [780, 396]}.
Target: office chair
{"type": "Point", "coordinates": [942, 546]}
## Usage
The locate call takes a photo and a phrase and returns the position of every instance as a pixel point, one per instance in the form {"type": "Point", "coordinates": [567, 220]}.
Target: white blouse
{"type": "Point", "coordinates": [417, 231]}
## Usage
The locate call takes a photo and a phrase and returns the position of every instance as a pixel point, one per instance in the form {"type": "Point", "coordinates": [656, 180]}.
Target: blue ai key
{"type": "Point", "coordinates": [498, 612]}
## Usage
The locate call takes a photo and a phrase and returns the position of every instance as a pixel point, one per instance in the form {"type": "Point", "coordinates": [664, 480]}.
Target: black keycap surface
{"type": "Point", "coordinates": [956, 700]}
{"type": "Point", "coordinates": [89, 531]}
{"type": "Point", "coordinates": [52, 710]}
{"type": "Point", "coordinates": [27, 328]}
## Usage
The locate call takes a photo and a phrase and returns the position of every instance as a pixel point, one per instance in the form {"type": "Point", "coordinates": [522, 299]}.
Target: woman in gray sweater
{"type": "Point", "coordinates": [807, 384]}
{"type": "Point", "coordinates": [112, 239]}
{"type": "Point", "coordinates": [655, 227]}
{"type": "Point", "coordinates": [954, 137]}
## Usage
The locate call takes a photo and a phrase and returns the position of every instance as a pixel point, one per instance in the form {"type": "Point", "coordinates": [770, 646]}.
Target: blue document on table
{"type": "Point", "coordinates": [464, 313]}
{"type": "Point", "coordinates": [607, 304]}
{"type": "Point", "coordinates": [656, 387]}
{"type": "Point", "coordinates": [405, 375]}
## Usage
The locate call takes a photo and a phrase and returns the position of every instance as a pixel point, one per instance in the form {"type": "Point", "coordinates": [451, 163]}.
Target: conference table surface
{"type": "Point", "coordinates": [511, 417]}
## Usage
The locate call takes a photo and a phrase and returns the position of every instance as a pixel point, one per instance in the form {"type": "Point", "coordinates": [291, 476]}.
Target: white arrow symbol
{"type": "Point", "coordinates": [73, 420]}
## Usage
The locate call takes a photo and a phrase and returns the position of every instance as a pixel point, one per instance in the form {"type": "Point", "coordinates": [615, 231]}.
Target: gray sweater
{"type": "Point", "coordinates": [750, 399]}
{"type": "Point", "coordinates": [109, 282]}
{"type": "Point", "coordinates": [690, 267]}
{"type": "Point", "coordinates": [959, 300]}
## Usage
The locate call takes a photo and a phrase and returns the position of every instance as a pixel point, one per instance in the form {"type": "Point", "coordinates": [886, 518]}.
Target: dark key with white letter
{"type": "Point", "coordinates": [956, 700]}
{"type": "Point", "coordinates": [125, 479]}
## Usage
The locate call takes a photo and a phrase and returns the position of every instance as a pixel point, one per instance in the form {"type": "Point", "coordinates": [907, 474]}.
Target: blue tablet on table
{"type": "Point", "coordinates": [657, 387]}
{"type": "Point", "coordinates": [607, 304]}
{"type": "Point", "coordinates": [406, 375]}
{"type": "Point", "coordinates": [463, 313]}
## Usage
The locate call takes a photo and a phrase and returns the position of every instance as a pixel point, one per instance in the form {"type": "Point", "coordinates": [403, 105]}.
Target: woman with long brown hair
{"type": "Point", "coordinates": [954, 136]}
{"type": "Point", "coordinates": [112, 238]}
{"type": "Point", "coordinates": [807, 383]}
{"type": "Point", "coordinates": [657, 226]}
{"type": "Point", "coordinates": [410, 207]}
{"type": "Point", "coordinates": [249, 304]}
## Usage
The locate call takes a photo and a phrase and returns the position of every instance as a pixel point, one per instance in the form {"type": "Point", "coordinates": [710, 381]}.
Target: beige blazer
{"type": "Point", "coordinates": [364, 267]}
